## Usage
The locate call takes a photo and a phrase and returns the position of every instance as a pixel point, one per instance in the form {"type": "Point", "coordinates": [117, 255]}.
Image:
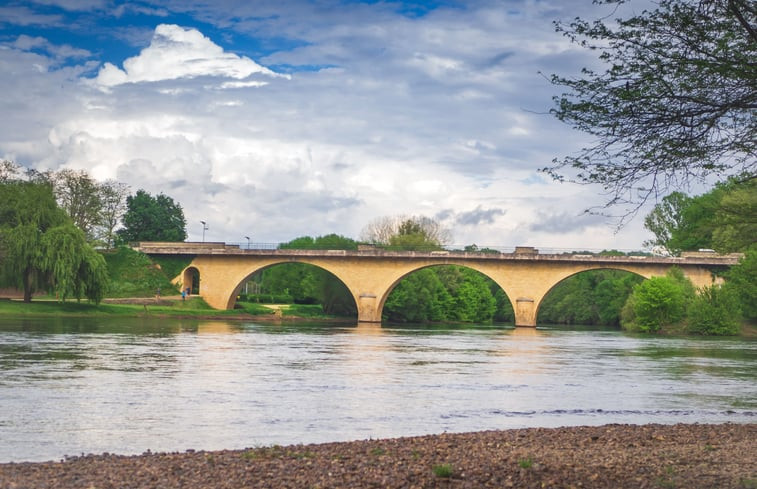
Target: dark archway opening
{"type": "Point", "coordinates": [592, 298]}
{"type": "Point", "coordinates": [191, 281]}
{"type": "Point", "coordinates": [307, 290]}
{"type": "Point", "coordinates": [447, 293]}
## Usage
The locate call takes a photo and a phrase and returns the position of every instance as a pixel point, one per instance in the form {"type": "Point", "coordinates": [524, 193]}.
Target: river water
{"type": "Point", "coordinates": [75, 386]}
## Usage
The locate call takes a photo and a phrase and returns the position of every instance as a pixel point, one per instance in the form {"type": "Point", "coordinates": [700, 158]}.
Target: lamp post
{"type": "Point", "coordinates": [204, 228]}
{"type": "Point", "coordinates": [248, 241]}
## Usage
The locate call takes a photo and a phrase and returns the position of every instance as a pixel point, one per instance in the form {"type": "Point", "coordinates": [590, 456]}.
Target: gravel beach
{"type": "Point", "coordinates": [611, 456]}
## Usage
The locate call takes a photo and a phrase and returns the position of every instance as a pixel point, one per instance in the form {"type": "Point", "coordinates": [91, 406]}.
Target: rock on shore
{"type": "Point", "coordinates": [611, 456]}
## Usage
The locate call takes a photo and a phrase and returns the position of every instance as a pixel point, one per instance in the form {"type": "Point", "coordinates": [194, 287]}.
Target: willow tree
{"type": "Point", "coordinates": [673, 101]}
{"type": "Point", "coordinates": [41, 249]}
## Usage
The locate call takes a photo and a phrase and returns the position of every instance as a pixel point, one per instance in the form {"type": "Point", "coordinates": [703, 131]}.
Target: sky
{"type": "Point", "coordinates": [278, 119]}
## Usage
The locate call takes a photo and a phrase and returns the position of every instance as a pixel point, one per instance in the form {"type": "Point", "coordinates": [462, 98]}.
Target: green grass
{"type": "Point", "coordinates": [192, 307]}
{"type": "Point", "coordinates": [253, 308]}
{"type": "Point", "coordinates": [444, 471]}
{"type": "Point", "coordinates": [525, 463]}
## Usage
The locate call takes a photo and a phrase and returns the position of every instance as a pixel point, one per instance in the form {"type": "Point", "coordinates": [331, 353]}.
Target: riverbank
{"type": "Point", "coordinates": [611, 456]}
{"type": "Point", "coordinates": [164, 307]}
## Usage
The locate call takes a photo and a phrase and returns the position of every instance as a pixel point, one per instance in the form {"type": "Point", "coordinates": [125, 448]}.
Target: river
{"type": "Point", "coordinates": [76, 386]}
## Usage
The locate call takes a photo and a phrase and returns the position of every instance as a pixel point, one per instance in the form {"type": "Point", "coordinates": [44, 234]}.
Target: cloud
{"type": "Point", "coordinates": [24, 16]}
{"type": "Point", "coordinates": [59, 52]}
{"type": "Point", "coordinates": [176, 52]}
{"type": "Point", "coordinates": [565, 222]}
{"type": "Point", "coordinates": [442, 115]}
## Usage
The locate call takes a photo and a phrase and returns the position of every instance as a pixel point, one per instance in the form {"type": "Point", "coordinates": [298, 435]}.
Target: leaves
{"type": "Point", "coordinates": [149, 218]}
{"type": "Point", "coordinates": [675, 104]}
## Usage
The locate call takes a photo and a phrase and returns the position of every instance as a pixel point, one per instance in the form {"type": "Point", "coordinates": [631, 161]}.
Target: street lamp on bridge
{"type": "Point", "coordinates": [248, 241]}
{"type": "Point", "coordinates": [204, 228]}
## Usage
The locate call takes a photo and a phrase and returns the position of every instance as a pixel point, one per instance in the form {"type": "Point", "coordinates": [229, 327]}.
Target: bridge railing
{"type": "Point", "coordinates": [458, 248]}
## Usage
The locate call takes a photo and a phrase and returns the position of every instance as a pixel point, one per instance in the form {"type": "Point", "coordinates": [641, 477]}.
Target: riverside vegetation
{"type": "Point", "coordinates": [46, 246]}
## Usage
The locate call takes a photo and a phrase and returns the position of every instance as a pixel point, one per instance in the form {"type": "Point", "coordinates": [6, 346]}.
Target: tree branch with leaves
{"type": "Point", "coordinates": [676, 103]}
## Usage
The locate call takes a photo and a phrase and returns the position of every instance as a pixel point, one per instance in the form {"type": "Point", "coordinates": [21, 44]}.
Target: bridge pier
{"type": "Point", "coordinates": [367, 308]}
{"type": "Point", "coordinates": [525, 312]}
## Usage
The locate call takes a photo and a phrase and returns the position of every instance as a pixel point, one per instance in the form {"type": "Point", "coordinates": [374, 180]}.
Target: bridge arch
{"type": "Point", "coordinates": [634, 273]}
{"type": "Point", "coordinates": [190, 280]}
{"type": "Point", "coordinates": [407, 273]}
{"type": "Point", "coordinates": [254, 270]}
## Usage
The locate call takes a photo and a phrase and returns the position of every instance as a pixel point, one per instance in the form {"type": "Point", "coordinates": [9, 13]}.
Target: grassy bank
{"type": "Point", "coordinates": [193, 307]}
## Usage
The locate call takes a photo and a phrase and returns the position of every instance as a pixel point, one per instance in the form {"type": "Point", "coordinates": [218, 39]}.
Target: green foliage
{"type": "Point", "coordinates": [327, 242]}
{"type": "Point", "coordinates": [414, 233]}
{"type": "Point", "coordinates": [172, 265]}
{"type": "Point", "coordinates": [42, 249]}
{"type": "Point", "coordinates": [443, 471]}
{"type": "Point", "coordinates": [723, 219]}
{"type": "Point", "coordinates": [743, 280]}
{"type": "Point", "coordinates": [674, 99]}
{"type": "Point", "coordinates": [594, 297]}
{"type": "Point", "coordinates": [306, 284]}
{"type": "Point", "coordinates": [715, 310]}
{"type": "Point", "coordinates": [149, 218]}
{"type": "Point", "coordinates": [74, 268]}
{"type": "Point", "coordinates": [446, 293]}
{"type": "Point", "coordinates": [666, 219]}
{"type": "Point", "coordinates": [304, 310]}
{"type": "Point", "coordinates": [134, 274]}
{"type": "Point", "coordinates": [419, 297]}
{"type": "Point", "coordinates": [658, 302]}
{"type": "Point", "coordinates": [736, 218]}
{"type": "Point", "coordinates": [267, 298]}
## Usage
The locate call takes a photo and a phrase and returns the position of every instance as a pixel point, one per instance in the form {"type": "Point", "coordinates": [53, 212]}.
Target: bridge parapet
{"type": "Point", "coordinates": [706, 258]}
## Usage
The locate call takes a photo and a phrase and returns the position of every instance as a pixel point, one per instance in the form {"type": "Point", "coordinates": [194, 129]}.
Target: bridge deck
{"type": "Point", "coordinates": [705, 258]}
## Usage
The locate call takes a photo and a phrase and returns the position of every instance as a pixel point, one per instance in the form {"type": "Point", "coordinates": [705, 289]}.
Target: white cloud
{"type": "Point", "coordinates": [177, 52]}
{"type": "Point", "coordinates": [412, 116]}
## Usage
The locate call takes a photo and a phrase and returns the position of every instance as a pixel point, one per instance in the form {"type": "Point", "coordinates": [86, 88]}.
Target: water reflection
{"type": "Point", "coordinates": [130, 385]}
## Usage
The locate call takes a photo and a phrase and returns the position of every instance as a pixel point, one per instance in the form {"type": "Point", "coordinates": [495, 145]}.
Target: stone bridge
{"type": "Point", "coordinates": [526, 276]}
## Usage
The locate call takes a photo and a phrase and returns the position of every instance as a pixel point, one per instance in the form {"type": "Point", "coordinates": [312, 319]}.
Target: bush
{"type": "Point", "coordinates": [267, 298]}
{"type": "Point", "coordinates": [715, 311]}
{"type": "Point", "coordinates": [743, 279]}
{"type": "Point", "coordinates": [133, 274]}
{"type": "Point", "coordinates": [658, 302]}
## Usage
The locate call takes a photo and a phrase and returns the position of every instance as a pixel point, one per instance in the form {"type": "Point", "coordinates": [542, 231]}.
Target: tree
{"type": "Point", "coordinates": [725, 218]}
{"type": "Point", "coordinates": [715, 310]}
{"type": "Point", "coordinates": [736, 219]}
{"type": "Point", "coordinates": [79, 195]}
{"type": "Point", "coordinates": [9, 171]}
{"type": "Point", "coordinates": [743, 279]}
{"type": "Point", "coordinates": [665, 219]}
{"type": "Point", "coordinates": [327, 242]}
{"type": "Point", "coordinates": [658, 302]}
{"type": "Point", "coordinates": [149, 218]}
{"type": "Point", "coordinates": [113, 196]}
{"type": "Point", "coordinates": [406, 233]}
{"type": "Point", "coordinates": [42, 249]}
{"type": "Point", "coordinates": [675, 103]}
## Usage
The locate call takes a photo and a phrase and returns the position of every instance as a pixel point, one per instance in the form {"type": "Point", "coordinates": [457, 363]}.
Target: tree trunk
{"type": "Point", "coordinates": [28, 284]}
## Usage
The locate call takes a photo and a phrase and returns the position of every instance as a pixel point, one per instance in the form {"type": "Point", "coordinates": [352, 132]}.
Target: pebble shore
{"type": "Point", "coordinates": [610, 456]}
